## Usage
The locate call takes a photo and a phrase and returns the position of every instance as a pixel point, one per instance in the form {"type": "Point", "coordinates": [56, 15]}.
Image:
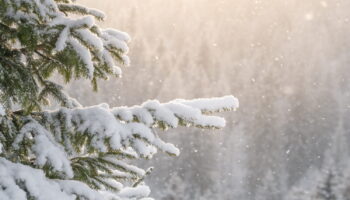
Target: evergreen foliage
{"type": "Point", "coordinates": [329, 183]}
{"type": "Point", "coordinates": [76, 152]}
{"type": "Point", "coordinates": [329, 187]}
{"type": "Point", "coordinates": [326, 190]}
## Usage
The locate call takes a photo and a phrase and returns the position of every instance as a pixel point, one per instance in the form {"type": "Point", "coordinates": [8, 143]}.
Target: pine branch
{"type": "Point", "coordinates": [77, 152]}
{"type": "Point", "coordinates": [49, 58]}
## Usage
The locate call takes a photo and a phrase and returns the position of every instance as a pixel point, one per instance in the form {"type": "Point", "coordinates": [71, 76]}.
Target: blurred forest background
{"type": "Point", "coordinates": [288, 62]}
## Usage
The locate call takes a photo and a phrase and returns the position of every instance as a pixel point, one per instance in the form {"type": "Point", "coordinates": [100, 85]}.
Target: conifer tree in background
{"type": "Point", "coordinates": [76, 152]}
{"type": "Point", "coordinates": [270, 188]}
{"type": "Point", "coordinates": [326, 189]}
{"type": "Point", "coordinates": [329, 183]}
{"type": "Point", "coordinates": [329, 186]}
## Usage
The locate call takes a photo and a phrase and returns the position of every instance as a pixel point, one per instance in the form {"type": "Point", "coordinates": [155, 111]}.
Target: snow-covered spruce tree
{"type": "Point", "coordinates": [76, 152]}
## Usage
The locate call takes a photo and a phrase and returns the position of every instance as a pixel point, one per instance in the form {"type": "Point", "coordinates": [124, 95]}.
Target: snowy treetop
{"type": "Point", "coordinates": [42, 36]}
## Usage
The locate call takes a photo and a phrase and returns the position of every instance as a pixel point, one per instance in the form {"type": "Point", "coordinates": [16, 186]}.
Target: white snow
{"type": "Point", "coordinates": [94, 12]}
{"type": "Point", "coordinates": [45, 148]}
{"type": "Point", "coordinates": [161, 113]}
{"type": "Point", "coordinates": [61, 41]}
{"type": "Point", "coordinates": [84, 54]}
{"type": "Point", "coordinates": [213, 104]}
{"type": "Point", "coordinates": [47, 151]}
{"type": "Point", "coordinates": [118, 34]}
{"type": "Point", "coordinates": [2, 110]}
{"type": "Point", "coordinates": [90, 38]}
{"type": "Point", "coordinates": [97, 13]}
{"type": "Point", "coordinates": [135, 193]}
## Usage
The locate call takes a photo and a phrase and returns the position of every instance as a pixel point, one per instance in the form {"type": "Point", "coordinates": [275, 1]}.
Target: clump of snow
{"type": "Point", "coordinates": [90, 38]}
{"type": "Point", "coordinates": [45, 148]}
{"type": "Point", "coordinates": [61, 41]}
{"type": "Point", "coordinates": [118, 34]}
{"type": "Point", "coordinates": [2, 110]}
{"type": "Point", "coordinates": [213, 104]}
{"type": "Point", "coordinates": [34, 182]}
{"type": "Point", "coordinates": [135, 193]}
{"type": "Point", "coordinates": [84, 54]}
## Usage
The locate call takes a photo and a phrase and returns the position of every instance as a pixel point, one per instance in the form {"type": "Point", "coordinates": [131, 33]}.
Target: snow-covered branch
{"type": "Point", "coordinates": [97, 140]}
